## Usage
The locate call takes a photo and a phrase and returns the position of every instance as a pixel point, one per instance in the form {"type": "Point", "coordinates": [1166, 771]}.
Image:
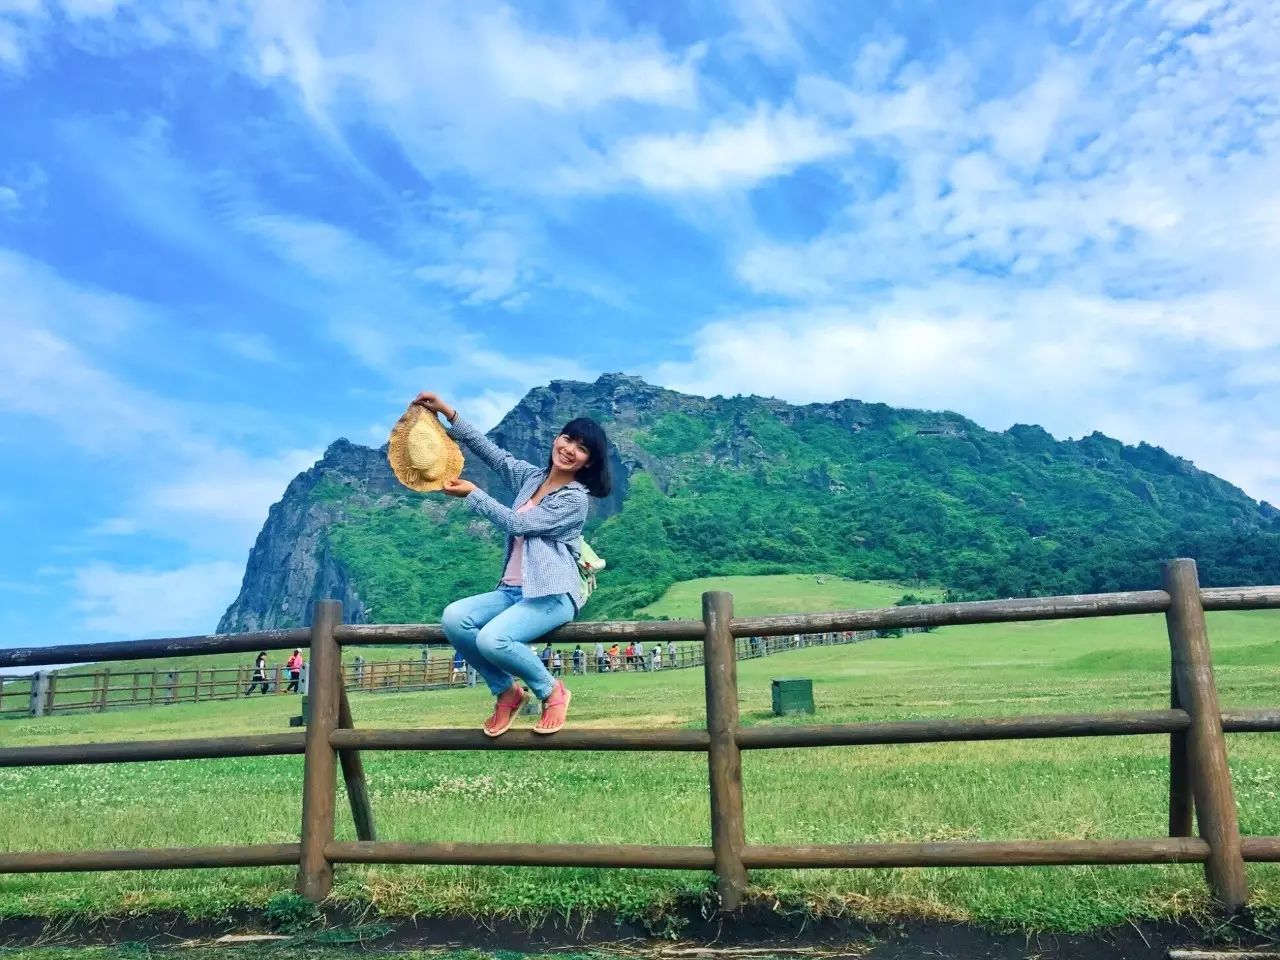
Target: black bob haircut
{"type": "Point", "coordinates": [595, 476]}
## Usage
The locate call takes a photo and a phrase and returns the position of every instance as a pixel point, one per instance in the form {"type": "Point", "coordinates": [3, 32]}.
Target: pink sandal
{"type": "Point", "coordinates": [555, 709]}
{"type": "Point", "coordinates": [504, 711]}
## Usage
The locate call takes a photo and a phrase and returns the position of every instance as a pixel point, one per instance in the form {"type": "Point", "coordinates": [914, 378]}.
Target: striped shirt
{"type": "Point", "coordinates": [552, 530]}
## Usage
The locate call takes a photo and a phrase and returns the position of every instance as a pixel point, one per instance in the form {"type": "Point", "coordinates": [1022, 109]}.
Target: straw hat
{"type": "Point", "coordinates": [421, 454]}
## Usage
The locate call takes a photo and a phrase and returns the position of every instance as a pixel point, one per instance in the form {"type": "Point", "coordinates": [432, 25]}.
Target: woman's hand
{"type": "Point", "coordinates": [458, 488]}
{"type": "Point", "coordinates": [433, 403]}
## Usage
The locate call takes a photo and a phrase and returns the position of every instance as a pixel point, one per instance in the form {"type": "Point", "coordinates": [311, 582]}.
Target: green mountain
{"type": "Point", "coordinates": [747, 485]}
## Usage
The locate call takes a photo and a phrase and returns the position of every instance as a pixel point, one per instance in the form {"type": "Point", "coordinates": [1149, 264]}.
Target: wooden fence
{"type": "Point", "coordinates": [50, 692]}
{"type": "Point", "coordinates": [1199, 783]}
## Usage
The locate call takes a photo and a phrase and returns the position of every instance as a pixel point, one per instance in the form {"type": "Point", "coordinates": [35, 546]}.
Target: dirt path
{"type": "Point", "coordinates": [755, 935]}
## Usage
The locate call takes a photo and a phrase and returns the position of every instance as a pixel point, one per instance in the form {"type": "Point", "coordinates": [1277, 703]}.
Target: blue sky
{"type": "Point", "coordinates": [231, 232]}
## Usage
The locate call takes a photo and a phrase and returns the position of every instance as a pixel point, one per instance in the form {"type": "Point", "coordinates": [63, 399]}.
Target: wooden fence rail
{"type": "Point", "coordinates": [1200, 781]}
{"type": "Point", "coordinates": [109, 689]}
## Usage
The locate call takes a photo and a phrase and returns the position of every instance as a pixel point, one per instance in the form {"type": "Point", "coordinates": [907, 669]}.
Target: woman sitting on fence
{"type": "Point", "coordinates": [540, 588]}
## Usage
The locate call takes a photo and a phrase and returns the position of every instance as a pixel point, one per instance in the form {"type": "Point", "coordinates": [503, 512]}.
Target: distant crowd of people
{"type": "Point", "coordinates": [612, 659]}
{"type": "Point", "coordinates": [609, 660]}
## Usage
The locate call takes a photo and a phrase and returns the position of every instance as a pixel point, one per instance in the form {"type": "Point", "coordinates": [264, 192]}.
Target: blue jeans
{"type": "Point", "coordinates": [493, 631]}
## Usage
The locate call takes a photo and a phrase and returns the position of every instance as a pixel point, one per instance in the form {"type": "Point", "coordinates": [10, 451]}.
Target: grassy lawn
{"type": "Point", "coordinates": [1095, 788]}
{"type": "Point", "coordinates": [785, 593]}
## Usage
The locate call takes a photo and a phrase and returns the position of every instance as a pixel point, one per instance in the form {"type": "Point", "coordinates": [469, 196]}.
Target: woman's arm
{"type": "Point", "coordinates": [514, 472]}
{"type": "Point", "coordinates": [560, 516]}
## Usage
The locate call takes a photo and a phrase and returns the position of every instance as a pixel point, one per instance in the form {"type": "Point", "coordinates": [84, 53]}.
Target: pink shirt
{"type": "Point", "coordinates": [513, 576]}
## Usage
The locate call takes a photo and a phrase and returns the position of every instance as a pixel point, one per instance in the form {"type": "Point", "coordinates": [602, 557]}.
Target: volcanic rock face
{"type": "Point", "coordinates": [291, 563]}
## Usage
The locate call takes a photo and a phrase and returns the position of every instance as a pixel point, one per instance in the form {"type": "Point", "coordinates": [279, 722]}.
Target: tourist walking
{"type": "Point", "coordinates": [579, 660]}
{"type": "Point", "coordinates": [671, 652]}
{"type": "Point", "coordinates": [259, 674]}
{"type": "Point", "coordinates": [601, 663]}
{"type": "Point", "coordinates": [294, 666]}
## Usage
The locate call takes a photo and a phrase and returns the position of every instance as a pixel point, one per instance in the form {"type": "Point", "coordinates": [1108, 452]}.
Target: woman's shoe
{"type": "Point", "coordinates": [504, 711]}
{"type": "Point", "coordinates": [555, 709]}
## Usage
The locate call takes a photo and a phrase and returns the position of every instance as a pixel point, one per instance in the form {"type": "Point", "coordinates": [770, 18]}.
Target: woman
{"type": "Point", "coordinates": [294, 666]}
{"type": "Point", "coordinates": [539, 589]}
{"type": "Point", "coordinates": [259, 674]}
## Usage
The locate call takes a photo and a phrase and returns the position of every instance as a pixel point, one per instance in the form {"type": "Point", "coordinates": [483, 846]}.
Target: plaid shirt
{"type": "Point", "coordinates": [551, 530]}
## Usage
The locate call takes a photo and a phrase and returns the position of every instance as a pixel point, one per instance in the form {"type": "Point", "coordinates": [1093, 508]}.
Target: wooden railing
{"type": "Point", "coordinates": [1199, 786]}
{"type": "Point", "coordinates": [45, 693]}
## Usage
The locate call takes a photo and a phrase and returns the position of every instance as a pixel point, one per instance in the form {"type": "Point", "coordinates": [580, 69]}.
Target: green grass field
{"type": "Point", "coordinates": [786, 593]}
{"type": "Point", "coordinates": [1094, 788]}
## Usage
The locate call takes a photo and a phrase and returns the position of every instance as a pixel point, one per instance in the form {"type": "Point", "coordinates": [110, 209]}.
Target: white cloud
{"type": "Point", "coordinates": [486, 267]}
{"type": "Point", "coordinates": [1022, 126]}
{"type": "Point", "coordinates": [486, 409]}
{"type": "Point", "coordinates": [728, 154]}
{"type": "Point", "coordinates": [24, 23]}
{"type": "Point", "coordinates": [513, 99]}
{"type": "Point", "coordinates": [325, 250]}
{"type": "Point", "coordinates": [44, 375]}
{"type": "Point", "coordinates": [226, 487]}
{"type": "Point", "coordinates": [771, 28]}
{"type": "Point", "coordinates": [1132, 160]}
{"type": "Point", "coordinates": [148, 603]}
{"type": "Point", "coordinates": [13, 54]}
{"type": "Point", "coordinates": [9, 200]}
{"type": "Point", "coordinates": [565, 73]}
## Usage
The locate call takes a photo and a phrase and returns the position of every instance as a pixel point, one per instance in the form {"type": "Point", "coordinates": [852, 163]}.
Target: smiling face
{"type": "Point", "coordinates": [568, 454]}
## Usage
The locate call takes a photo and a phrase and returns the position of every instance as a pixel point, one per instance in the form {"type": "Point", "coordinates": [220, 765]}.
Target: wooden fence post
{"type": "Point", "coordinates": [1181, 800]}
{"type": "Point", "coordinates": [353, 776]}
{"type": "Point", "coordinates": [39, 692]}
{"type": "Point", "coordinates": [1215, 803]}
{"type": "Point", "coordinates": [319, 778]}
{"type": "Point", "coordinates": [155, 679]}
{"type": "Point", "coordinates": [724, 761]}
